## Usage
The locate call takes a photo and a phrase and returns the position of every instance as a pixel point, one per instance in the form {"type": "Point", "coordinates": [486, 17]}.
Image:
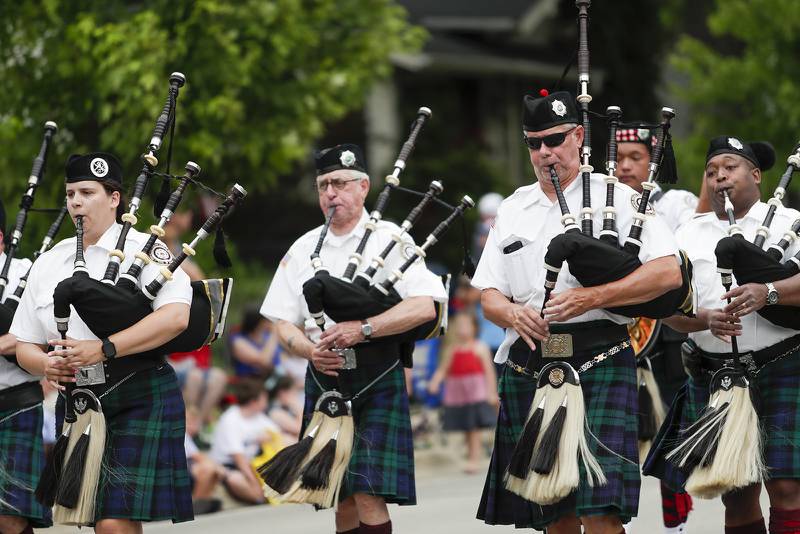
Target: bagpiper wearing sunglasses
{"type": "Point", "coordinates": [573, 327]}
{"type": "Point", "coordinates": [381, 468]}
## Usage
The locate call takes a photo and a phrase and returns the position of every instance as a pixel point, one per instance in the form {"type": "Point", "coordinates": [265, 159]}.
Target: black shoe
{"type": "Point", "coordinates": [206, 506]}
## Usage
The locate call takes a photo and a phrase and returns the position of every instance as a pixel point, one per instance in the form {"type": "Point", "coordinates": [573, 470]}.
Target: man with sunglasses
{"type": "Point", "coordinates": [573, 327]}
{"type": "Point", "coordinates": [381, 468]}
{"type": "Point", "coordinates": [634, 146]}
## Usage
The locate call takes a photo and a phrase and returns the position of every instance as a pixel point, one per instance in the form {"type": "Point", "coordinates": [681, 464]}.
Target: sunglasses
{"type": "Point", "coordinates": [338, 184]}
{"type": "Point", "coordinates": [552, 140]}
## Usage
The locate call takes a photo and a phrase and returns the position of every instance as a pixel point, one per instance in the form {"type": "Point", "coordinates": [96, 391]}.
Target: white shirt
{"type": "Point", "coordinates": [285, 301]}
{"type": "Point", "coordinates": [530, 217]}
{"type": "Point", "coordinates": [34, 321]}
{"type": "Point", "coordinates": [698, 238]}
{"type": "Point", "coordinates": [11, 374]}
{"type": "Point", "coordinates": [237, 434]}
{"type": "Point", "coordinates": [675, 206]}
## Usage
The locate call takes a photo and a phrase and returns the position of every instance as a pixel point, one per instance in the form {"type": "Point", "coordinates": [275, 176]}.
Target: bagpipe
{"type": "Point", "coordinates": [312, 470]}
{"type": "Point", "coordinates": [8, 308]}
{"type": "Point", "coordinates": [722, 449]}
{"type": "Point", "coordinates": [750, 263]}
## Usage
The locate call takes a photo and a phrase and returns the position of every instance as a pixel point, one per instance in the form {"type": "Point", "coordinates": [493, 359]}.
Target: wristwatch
{"type": "Point", "coordinates": [772, 294]}
{"type": "Point", "coordinates": [109, 350]}
{"type": "Point", "coordinates": [366, 328]}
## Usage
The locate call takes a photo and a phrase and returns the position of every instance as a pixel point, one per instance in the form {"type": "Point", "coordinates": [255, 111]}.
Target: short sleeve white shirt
{"type": "Point", "coordinates": [675, 206]}
{"type": "Point", "coordinates": [285, 301]}
{"type": "Point", "coordinates": [35, 322]}
{"type": "Point", "coordinates": [11, 374]}
{"type": "Point", "coordinates": [237, 434]}
{"type": "Point", "coordinates": [530, 217]}
{"type": "Point", "coordinates": [699, 238]}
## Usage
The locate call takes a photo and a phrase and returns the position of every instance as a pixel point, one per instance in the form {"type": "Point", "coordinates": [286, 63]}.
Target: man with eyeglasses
{"type": "Point", "coordinates": [573, 327]}
{"type": "Point", "coordinates": [381, 468]}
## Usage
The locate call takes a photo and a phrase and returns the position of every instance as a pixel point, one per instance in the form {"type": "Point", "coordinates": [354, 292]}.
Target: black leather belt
{"type": "Point", "coordinates": [701, 364]}
{"type": "Point", "coordinates": [575, 343]}
{"type": "Point", "coordinates": [21, 396]}
{"type": "Point", "coordinates": [110, 372]}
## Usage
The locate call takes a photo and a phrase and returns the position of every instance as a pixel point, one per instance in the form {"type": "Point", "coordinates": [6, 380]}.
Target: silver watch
{"type": "Point", "coordinates": [772, 294]}
{"type": "Point", "coordinates": [366, 328]}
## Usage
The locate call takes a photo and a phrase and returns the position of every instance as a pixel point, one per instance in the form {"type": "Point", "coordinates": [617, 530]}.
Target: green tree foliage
{"type": "Point", "coordinates": [744, 84]}
{"type": "Point", "coordinates": [263, 79]}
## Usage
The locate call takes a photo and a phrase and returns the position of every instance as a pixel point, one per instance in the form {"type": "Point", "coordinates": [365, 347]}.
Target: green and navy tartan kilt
{"type": "Point", "coordinates": [611, 398]}
{"type": "Point", "coordinates": [777, 401]}
{"type": "Point", "coordinates": [382, 463]}
{"type": "Point", "coordinates": [144, 476]}
{"type": "Point", "coordinates": [21, 464]}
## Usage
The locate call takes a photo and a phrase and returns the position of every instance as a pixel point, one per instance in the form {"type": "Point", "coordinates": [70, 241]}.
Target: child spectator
{"type": "Point", "coordinates": [241, 430]}
{"type": "Point", "coordinates": [470, 386]}
{"type": "Point", "coordinates": [254, 349]}
{"type": "Point", "coordinates": [204, 472]}
{"type": "Point", "coordinates": [285, 407]}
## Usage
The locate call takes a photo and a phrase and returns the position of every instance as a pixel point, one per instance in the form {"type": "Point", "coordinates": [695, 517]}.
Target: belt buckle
{"type": "Point", "coordinates": [557, 346]}
{"type": "Point", "coordinates": [749, 362]}
{"type": "Point", "coordinates": [91, 375]}
{"type": "Point", "coordinates": [349, 355]}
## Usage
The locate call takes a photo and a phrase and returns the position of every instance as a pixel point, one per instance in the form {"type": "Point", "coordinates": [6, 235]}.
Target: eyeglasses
{"type": "Point", "coordinates": [338, 183]}
{"type": "Point", "coordinates": [552, 140]}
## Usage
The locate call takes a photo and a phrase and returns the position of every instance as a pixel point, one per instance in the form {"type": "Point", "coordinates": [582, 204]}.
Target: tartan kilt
{"type": "Point", "coordinates": [610, 395]}
{"type": "Point", "coordinates": [21, 465]}
{"type": "Point", "coordinates": [777, 401]}
{"type": "Point", "coordinates": [144, 476]}
{"type": "Point", "coordinates": [382, 463]}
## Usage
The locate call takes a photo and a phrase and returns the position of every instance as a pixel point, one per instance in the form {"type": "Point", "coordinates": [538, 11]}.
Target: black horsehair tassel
{"type": "Point", "coordinates": [316, 474]}
{"type": "Point", "coordinates": [281, 470]}
{"type": "Point", "coordinates": [70, 488]}
{"type": "Point", "coordinates": [668, 170]}
{"type": "Point", "coordinates": [702, 454]}
{"type": "Point", "coordinates": [547, 453]}
{"type": "Point", "coordinates": [51, 476]}
{"type": "Point", "coordinates": [220, 251]}
{"type": "Point", "coordinates": [520, 461]}
{"type": "Point", "coordinates": [161, 199]}
{"type": "Point", "coordinates": [647, 416]}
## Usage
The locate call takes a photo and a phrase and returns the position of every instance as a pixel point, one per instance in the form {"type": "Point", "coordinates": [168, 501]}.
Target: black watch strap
{"type": "Point", "coordinates": [109, 350]}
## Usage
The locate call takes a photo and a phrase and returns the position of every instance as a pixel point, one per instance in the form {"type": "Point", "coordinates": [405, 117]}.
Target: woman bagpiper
{"type": "Point", "coordinates": [143, 475]}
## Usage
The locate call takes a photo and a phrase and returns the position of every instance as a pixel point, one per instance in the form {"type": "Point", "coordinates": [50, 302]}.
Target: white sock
{"type": "Point", "coordinates": [680, 529]}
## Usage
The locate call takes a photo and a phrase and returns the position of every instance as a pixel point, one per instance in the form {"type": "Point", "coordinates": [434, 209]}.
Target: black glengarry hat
{"type": "Point", "coordinates": [548, 110]}
{"type": "Point", "coordinates": [346, 156]}
{"type": "Point", "coordinates": [759, 153]}
{"type": "Point", "coordinates": [95, 166]}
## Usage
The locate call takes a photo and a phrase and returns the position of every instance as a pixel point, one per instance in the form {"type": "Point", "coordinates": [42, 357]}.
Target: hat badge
{"type": "Point", "coordinates": [735, 143]}
{"type": "Point", "coordinates": [347, 158]}
{"type": "Point", "coordinates": [643, 133]}
{"type": "Point", "coordinates": [559, 108]}
{"type": "Point", "coordinates": [99, 167]}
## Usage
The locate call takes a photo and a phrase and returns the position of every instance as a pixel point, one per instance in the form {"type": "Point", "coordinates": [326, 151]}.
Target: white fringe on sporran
{"type": "Point", "coordinates": [564, 477]}
{"type": "Point", "coordinates": [646, 379]}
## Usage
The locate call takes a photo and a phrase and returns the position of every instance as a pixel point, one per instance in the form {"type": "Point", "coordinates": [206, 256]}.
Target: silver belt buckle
{"type": "Point", "coordinates": [349, 356]}
{"type": "Point", "coordinates": [748, 362]}
{"type": "Point", "coordinates": [91, 375]}
{"type": "Point", "coordinates": [557, 346]}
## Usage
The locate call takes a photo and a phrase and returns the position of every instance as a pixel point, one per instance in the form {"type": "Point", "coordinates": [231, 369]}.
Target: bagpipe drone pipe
{"type": "Point", "coordinates": [750, 263]}
{"type": "Point", "coordinates": [596, 261]}
{"type": "Point", "coordinates": [8, 308]}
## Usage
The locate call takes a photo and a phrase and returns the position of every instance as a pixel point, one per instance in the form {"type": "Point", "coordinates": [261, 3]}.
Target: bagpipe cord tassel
{"type": "Point", "coordinates": [91, 428]}
{"type": "Point", "coordinates": [651, 410]}
{"type": "Point", "coordinates": [737, 460]}
{"type": "Point", "coordinates": [280, 472]}
{"type": "Point", "coordinates": [51, 475]}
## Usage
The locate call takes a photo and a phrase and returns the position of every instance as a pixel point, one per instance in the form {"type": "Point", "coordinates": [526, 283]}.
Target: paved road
{"type": "Point", "coordinates": [447, 505]}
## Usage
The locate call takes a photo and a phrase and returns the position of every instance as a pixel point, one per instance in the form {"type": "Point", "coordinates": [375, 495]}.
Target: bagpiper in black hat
{"type": "Point", "coordinates": [637, 133]}
{"type": "Point", "coordinates": [548, 110]}
{"type": "Point", "coordinates": [346, 156]}
{"type": "Point", "coordinates": [759, 153]}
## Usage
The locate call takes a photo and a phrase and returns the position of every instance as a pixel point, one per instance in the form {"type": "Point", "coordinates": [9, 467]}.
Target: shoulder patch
{"type": "Point", "coordinates": [161, 254]}
{"type": "Point", "coordinates": [636, 201]}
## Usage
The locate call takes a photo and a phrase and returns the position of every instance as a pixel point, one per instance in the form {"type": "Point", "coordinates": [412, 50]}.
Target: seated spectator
{"type": "Point", "coordinates": [202, 385]}
{"type": "Point", "coordinates": [238, 437]}
{"type": "Point", "coordinates": [204, 472]}
{"type": "Point", "coordinates": [254, 349]}
{"type": "Point", "coordinates": [285, 407]}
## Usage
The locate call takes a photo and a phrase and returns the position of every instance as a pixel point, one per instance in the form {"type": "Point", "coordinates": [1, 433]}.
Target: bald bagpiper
{"type": "Point", "coordinates": [21, 415]}
{"type": "Point", "coordinates": [723, 337]}
{"type": "Point", "coordinates": [661, 356]}
{"type": "Point", "coordinates": [381, 467]}
{"type": "Point", "coordinates": [574, 328]}
{"type": "Point", "coordinates": [142, 465]}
